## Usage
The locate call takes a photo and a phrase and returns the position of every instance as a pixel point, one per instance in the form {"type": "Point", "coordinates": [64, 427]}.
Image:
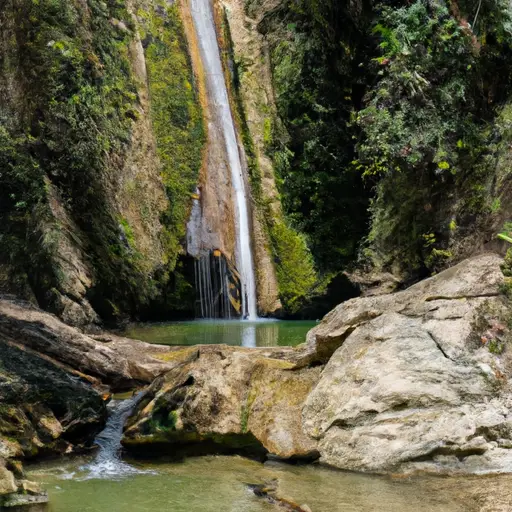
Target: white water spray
{"type": "Point", "coordinates": [202, 15]}
{"type": "Point", "coordinates": [108, 463]}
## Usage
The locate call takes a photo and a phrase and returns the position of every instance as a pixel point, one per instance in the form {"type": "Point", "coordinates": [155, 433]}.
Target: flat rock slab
{"type": "Point", "coordinates": [117, 362]}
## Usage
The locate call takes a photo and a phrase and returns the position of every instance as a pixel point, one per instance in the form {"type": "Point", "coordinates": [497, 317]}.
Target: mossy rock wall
{"type": "Point", "coordinates": [100, 147]}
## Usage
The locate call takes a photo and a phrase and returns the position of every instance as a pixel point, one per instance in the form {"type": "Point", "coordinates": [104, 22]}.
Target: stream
{"type": "Point", "coordinates": [214, 484]}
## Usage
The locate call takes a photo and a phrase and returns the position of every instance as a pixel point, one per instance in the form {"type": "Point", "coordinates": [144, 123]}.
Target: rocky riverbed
{"type": "Point", "coordinates": [414, 381]}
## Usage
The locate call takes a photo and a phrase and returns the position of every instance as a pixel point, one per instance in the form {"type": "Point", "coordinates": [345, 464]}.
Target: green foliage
{"type": "Point", "coordinates": [506, 235]}
{"type": "Point", "coordinates": [318, 82]}
{"type": "Point", "coordinates": [296, 273]}
{"type": "Point", "coordinates": [496, 346]}
{"type": "Point", "coordinates": [70, 135]}
{"type": "Point", "coordinates": [177, 117]}
{"type": "Point", "coordinates": [506, 267]}
{"type": "Point", "coordinates": [429, 71]}
{"type": "Point", "coordinates": [298, 280]}
{"type": "Point", "coordinates": [74, 124]}
{"type": "Point", "coordinates": [425, 126]}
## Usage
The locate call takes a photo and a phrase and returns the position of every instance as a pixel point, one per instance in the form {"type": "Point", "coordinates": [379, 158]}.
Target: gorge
{"type": "Point", "coordinates": [255, 255]}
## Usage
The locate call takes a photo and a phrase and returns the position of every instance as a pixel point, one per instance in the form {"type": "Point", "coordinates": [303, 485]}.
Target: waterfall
{"type": "Point", "coordinates": [213, 287]}
{"type": "Point", "coordinates": [202, 15]}
{"type": "Point", "coordinates": [108, 462]}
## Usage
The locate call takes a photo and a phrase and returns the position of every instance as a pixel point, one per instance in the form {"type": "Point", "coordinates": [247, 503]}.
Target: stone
{"type": "Point", "coordinates": [227, 399]}
{"type": "Point", "coordinates": [30, 502]}
{"type": "Point", "coordinates": [411, 386]}
{"type": "Point", "coordinates": [110, 360]}
{"type": "Point", "coordinates": [43, 408]}
{"type": "Point", "coordinates": [397, 383]}
{"type": "Point", "coordinates": [32, 488]}
{"type": "Point", "coordinates": [7, 481]}
{"type": "Point", "coordinates": [454, 294]}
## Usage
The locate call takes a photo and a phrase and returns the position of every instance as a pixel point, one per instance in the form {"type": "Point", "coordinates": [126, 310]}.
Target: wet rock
{"type": "Point", "coordinates": [43, 408]}
{"type": "Point", "coordinates": [269, 492]}
{"type": "Point", "coordinates": [16, 493]}
{"type": "Point", "coordinates": [26, 502]}
{"type": "Point", "coordinates": [227, 399]}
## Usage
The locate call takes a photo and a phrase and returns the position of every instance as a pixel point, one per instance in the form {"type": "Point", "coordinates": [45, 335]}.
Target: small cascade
{"type": "Point", "coordinates": [203, 19]}
{"type": "Point", "coordinates": [108, 463]}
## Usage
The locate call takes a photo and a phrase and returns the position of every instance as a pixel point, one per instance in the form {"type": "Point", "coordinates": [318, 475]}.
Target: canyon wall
{"type": "Point", "coordinates": [106, 137]}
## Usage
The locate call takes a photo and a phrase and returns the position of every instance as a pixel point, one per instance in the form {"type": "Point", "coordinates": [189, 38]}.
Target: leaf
{"type": "Point", "coordinates": [502, 236]}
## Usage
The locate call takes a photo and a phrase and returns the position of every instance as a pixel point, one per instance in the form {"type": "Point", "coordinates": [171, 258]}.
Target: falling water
{"type": "Point", "coordinates": [204, 23]}
{"type": "Point", "coordinates": [108, 463]}
{"type": "Point", "coordinates": [213, 287]}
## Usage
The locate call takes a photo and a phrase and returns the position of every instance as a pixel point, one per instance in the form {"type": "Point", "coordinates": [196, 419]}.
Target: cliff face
{"type": "Point", "coordinates": [97, 108]}
{"type": "Point", "coordinates": [286, 273]}
{"type": "Point", "coordinates": [391, 142]}
{"type": "Point", "coordinates": [105, 136]}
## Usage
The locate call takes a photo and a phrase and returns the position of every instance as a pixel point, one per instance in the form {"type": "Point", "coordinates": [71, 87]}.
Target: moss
{"type": "Point", "coordinates": [297, 278]}
{"type": "Point", "coordinates": [506, 287]}
{"type": "Point", "coordinates": [244, 419]}
{"type": "Point", "coordinates": [80, 103]}
{"type": "Point", "coordinates": [178, 355]}
{"type": "Point", "coordinates": [71, 135]}
{"type": "Point", "coordinates": [176, 115]}
{"type": "Point", "coordinates": [496, 347]}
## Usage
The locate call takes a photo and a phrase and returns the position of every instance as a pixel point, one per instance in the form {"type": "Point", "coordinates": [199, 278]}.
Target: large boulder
{"type": "Point", "coordinates": [117, 362]}
{"type": "Point", "coordinates": [419, 380]}
{"type": "Point", "coordinates": [222, 399]}
{"type": "Point", "coordinates": [43, 408]}
{"type": "Point", "coordinates": [448, 301]}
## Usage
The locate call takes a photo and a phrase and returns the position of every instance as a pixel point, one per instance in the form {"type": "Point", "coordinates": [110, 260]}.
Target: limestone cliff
{"type": "Point", "coordinates": [105, 137]}
{"type": "Point", "coordinates": [285, 266]}
{"type": "Point", "coordinates": [98, 105]}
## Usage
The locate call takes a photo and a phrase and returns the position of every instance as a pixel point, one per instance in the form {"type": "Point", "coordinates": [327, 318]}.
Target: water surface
{"type": "Point", "coordinates": [262, 333]}
{"type": "Point", "coordinates": [219, 484]}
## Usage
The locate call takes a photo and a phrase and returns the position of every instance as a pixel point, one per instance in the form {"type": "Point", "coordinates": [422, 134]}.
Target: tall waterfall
{"type": "Point", "coordinates": [202, 15]}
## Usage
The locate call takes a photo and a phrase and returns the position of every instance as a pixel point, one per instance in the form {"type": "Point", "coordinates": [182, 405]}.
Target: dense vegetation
{"type": "Point", "coordinates": [396, 106]}
{"type": "Point", "coordinates": [298, 280]}
{"type": "Point", "coordinates": [74, 88]}
{"type": "Point", "coordinates": [390, 143]}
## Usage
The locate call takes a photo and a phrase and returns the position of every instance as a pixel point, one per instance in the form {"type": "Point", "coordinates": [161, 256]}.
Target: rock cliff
{"type": "Point", "coordinates": [106, 135]}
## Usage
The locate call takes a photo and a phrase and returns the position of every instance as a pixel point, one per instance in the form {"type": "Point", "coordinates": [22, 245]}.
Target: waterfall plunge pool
{"type": "Point", "coordinates": [260, 333]}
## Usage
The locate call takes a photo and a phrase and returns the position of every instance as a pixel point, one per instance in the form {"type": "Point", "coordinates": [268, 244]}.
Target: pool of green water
{"type": "Point", "coordinates": [219, 484]}
{"type": "Point", "coordinates": [262, 333]}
